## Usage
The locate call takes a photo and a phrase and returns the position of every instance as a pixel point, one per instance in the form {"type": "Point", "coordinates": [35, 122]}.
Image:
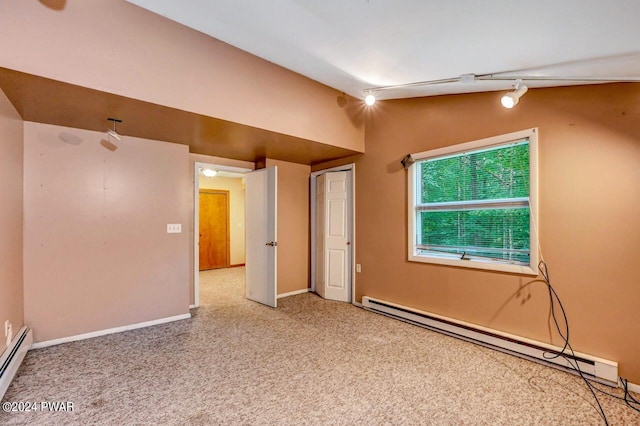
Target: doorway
{"type": "Point", "coordinates": [219, 220]}
{"type": "Point", "coordinates": [333, 233]}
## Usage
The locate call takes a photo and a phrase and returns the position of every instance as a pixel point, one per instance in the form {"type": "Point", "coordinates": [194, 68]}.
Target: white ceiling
{"type": "Point", "coordinates": [353, 45]}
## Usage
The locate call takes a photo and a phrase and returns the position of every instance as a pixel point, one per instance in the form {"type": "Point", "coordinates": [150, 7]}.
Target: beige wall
{"type": "Point", "coordinates": [116, 47]}
{"type": "Point", "coordinates": [96, 251]}
{"type": "Point", "coordinates": [11, 169]}
{"type": "Point", "coordinates": [589, 185]}
{"type": "Point", "coordinates": [235, 186]}
{"type": "Point", "coordinates": [293, 225]}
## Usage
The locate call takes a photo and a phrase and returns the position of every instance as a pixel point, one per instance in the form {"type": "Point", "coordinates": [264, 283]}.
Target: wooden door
{"type": "Point", "coordinates": [214, 229]}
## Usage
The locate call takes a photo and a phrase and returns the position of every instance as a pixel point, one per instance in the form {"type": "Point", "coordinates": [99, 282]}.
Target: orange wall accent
{"type": "Point", "coordinates": [117, 47]}
{"type": "Point", "coordinates": [293, 225]}
{"type": "Point", "coordinates": [11, 168]}
{"type": "Point", "coordinates": [96, 251]}
{"type": "Point", "coordinates": [589, 186]}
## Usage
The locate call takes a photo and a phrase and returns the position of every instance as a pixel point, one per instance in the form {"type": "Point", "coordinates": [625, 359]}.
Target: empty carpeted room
{"type": "Point", "coordinates": [337, 212]}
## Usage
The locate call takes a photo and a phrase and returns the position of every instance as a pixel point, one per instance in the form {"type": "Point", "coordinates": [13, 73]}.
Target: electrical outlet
{"type": "Point", "coordinates": [358, 268]}
{"type": "Point", "coordinates": [174, 228]}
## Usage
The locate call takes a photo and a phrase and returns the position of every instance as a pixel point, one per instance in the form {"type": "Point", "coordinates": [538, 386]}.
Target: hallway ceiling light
{"type": "Point", "coordinates": [511, 99]}
{"type": "Point", "coordinates": [113, 132]}
{"type": "Point", "coordinates": [209, 172]}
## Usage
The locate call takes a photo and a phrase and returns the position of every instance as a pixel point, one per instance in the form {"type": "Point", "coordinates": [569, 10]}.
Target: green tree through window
{"type": "Point", "coordinates": [475, 204]}
{"type": "Point", "coordinates": [468, 228]}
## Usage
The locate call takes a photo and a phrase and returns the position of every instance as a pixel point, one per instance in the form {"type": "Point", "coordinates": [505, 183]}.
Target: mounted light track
{"type": "Point", "coordinates": [501, 76]}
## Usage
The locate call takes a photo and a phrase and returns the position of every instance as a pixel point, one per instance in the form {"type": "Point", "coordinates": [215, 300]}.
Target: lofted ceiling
{"type": "Point", "coordinates": [355, 45]}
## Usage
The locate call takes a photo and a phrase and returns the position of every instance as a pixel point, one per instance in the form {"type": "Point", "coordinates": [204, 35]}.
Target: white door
{"type": "Point", "coordinates": [320, 222]}
{"type": "Point", "coordinates": [335, 234]}
{"type": "Point", "coordinates": [261, 235]}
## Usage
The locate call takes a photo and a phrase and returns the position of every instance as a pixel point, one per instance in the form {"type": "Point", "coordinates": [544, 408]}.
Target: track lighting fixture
{"type": "Point", "coordinates": [113, 132]}
{"type": "Point", "coordinates": [370, 99]}
{"type": "Point", "coordinates": [511, 99]}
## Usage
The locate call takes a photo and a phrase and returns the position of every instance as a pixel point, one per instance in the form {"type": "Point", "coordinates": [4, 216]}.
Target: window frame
{"type": "Point", "coordinates": [413, 223]}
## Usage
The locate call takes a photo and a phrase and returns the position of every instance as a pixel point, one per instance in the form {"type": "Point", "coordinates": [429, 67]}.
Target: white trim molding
{"type": "Point", "coordinates": [633, 388]}
{"type": "Point", "coordinates": [114, 330]}
{"type": "Point", "coordinates": [293, 293]}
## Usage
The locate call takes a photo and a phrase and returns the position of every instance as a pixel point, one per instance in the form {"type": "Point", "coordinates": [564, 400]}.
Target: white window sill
{"type": "Point", "coordinates": [475, 264]}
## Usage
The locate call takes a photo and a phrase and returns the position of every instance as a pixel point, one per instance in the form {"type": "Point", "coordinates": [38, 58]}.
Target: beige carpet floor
{"type": "Point", "coordinates": [310, 361]}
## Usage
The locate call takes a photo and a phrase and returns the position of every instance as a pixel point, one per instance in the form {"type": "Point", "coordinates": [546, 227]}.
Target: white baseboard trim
{"type": "Point", "coordinates": [357, 304]}
{"type": "Point", "coordinates": [633, 388]}
{"type": "Point", "coordinates": [192, 306]}
{"type": "Point", "coordinates": [114, 330]}
{"type": "Point", "coordinates": [293, 293]}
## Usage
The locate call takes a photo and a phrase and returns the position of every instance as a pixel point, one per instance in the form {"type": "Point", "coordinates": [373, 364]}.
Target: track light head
{"type": "Point", "coordinates": [508, 101]}
{"type": "Point", "coordinates": [511, 99]}
{"type": "Point", "coordinates": [370, 99]}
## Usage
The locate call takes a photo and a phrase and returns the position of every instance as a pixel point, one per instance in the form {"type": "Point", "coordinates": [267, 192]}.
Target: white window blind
{"type": "Point", "coordinates": [474, 204]}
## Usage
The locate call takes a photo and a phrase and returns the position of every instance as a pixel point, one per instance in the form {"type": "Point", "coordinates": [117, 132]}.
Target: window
{"type": "Point", "coordinates": [474, 205]}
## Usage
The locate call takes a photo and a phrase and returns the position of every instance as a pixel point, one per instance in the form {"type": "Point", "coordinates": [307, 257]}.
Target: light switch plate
{"type": "Point", "coordinates": [174, 228]}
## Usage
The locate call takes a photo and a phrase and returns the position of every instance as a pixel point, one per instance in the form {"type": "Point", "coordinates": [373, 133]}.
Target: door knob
{"type": "Point", "coordinates": [272, 244]}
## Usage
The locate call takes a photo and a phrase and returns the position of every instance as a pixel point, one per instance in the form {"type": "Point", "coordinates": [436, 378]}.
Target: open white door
{"type": "Point", "coordinates": [333, 232]}
{"type": "Point", "coordinates": [261, 235]}
{"type": "Point", "coordinates": [320, 240]}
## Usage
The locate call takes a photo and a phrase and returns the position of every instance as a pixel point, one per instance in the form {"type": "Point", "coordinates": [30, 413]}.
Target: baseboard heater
{"type": "Point", "coordinates": [598, 369]}
{"type": "Point", "coordinates": [12, 358]}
